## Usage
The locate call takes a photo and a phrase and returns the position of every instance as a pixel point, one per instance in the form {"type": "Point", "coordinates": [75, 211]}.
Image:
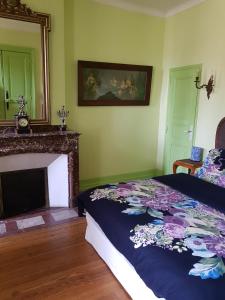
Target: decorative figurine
{"type": "Point", "coordinates": [63, 114]}
{"type": "Point", "coordinates": [21, 101]}
{"type": "Point", "coordinates": [22, 119]}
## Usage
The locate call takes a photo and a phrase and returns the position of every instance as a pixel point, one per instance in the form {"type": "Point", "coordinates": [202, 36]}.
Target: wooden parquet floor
{"type": "Point", "coordinates": [55, 263]}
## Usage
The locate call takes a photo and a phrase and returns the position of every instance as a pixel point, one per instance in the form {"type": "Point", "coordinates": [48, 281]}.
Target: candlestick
{"type": "Point", "coordinates": [63, 114]}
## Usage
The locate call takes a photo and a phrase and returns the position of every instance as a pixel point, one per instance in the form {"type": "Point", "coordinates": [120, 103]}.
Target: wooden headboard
{"type": "Point", "coordinates": [220, 135]}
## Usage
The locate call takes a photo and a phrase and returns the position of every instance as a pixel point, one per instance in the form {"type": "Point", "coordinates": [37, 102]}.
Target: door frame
{"type": "Point", "coordinates": [199, 66]}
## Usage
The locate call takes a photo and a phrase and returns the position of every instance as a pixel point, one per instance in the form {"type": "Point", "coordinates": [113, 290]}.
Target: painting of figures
{"type": "Point", "coordinates": [113, 84]}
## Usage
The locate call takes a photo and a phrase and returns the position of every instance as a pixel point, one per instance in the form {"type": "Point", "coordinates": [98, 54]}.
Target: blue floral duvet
{"type": "Point", "coordinates": [171, 229]}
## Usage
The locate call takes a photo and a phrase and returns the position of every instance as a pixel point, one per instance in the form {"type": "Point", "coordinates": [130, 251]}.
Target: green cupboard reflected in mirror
{"type": "Point", "coordinates": [23, 62]}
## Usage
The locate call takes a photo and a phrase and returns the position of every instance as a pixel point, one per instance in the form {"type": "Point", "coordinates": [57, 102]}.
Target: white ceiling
{"type": "Point", "coordinates": [161, 8]}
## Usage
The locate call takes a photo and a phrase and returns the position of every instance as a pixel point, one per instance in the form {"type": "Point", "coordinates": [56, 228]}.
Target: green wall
{"type": "Point", "coordinates": [120, 140]}
{"type": "Point", "coordinates": [196, 36]}
{"type": "Point", "coordinates": [115, 140]}
{"type": "Point", "coordinates": [124, 140]}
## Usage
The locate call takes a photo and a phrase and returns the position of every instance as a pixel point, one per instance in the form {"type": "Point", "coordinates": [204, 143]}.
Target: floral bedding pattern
{"type": "Point", "coordinates": [179, 223]}
{"type": "Point", "coordinates": [213, 169]}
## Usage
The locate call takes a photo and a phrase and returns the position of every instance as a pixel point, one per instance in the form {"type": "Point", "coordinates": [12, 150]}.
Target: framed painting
{"type": "Point", "coordinates": [109, 84]}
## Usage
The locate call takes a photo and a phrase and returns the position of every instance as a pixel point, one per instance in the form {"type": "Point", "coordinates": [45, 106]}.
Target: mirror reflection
{"type": "Point", "coordinates": [21, 68]}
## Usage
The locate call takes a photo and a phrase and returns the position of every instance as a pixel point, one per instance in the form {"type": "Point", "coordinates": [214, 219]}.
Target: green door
{"type": "Point", "coordinates": [181, 114]}
{"type": "Point", "coordinates": [17, 81]}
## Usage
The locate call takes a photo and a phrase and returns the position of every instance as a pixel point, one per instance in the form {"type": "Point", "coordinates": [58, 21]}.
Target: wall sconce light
{"type": "Point", "coordinates": [209, 86]}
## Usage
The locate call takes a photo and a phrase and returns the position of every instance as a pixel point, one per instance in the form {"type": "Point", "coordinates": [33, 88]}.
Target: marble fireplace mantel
{"type": "Point", "coordinates": [65, 142]}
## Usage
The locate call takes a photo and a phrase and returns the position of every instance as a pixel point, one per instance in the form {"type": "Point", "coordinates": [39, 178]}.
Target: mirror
{"type": "Point", "coordinates": [23, 62]}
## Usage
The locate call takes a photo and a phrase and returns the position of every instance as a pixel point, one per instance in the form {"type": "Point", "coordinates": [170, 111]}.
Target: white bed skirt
{"type": "Point", "coordinates": [117, 263]}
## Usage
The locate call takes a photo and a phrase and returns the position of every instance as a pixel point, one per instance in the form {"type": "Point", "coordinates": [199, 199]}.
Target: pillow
{"type": "Point", "coordinates": [213, 168]}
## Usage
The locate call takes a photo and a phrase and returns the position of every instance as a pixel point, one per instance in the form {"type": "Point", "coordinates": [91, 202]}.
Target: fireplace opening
{"type": "Point", "coordinates": [22, 191]}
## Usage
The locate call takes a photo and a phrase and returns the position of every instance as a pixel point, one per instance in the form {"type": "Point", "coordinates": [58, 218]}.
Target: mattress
{"type": "Point", "coordinates": [118, 264]}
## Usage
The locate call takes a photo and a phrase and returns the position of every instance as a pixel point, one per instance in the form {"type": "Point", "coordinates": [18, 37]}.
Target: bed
{"type": "Point", "coordinates": [164, 238]}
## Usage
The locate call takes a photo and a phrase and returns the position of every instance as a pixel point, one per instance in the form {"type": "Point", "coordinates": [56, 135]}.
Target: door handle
{"type": "Point", "coordinates": [189, 132]}
{"type": "Point", "coordinates": [7, 99]}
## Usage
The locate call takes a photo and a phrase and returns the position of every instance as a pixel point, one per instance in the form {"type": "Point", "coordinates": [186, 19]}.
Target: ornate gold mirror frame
{"type": "Point", "coordinates": [14, 9]}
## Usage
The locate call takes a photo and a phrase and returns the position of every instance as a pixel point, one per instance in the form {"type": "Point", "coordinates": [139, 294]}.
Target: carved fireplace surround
{"type": "Point", "coordinates": [50, 141]}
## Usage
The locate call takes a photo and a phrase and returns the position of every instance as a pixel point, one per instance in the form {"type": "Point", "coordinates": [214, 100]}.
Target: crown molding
{"type": "Point", "coordinates": [183, 7]}
{"type": "Point", "coordinates": [149, 11]}
{"type": "Point", "coordinates": [132, 7]}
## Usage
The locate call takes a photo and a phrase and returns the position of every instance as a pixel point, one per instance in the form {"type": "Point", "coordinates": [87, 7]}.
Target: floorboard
{"type": "Point", "coordinates": [55, 263]}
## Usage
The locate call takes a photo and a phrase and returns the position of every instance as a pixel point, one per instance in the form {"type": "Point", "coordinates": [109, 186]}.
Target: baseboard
{"type": "Point", "coordinates": [90, 183]}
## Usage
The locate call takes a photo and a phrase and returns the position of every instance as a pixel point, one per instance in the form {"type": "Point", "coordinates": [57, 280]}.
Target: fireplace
{"type": "Point", "coordinates": [54, 150]}
{"type": "Point", "coordinates": [22, 191]}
